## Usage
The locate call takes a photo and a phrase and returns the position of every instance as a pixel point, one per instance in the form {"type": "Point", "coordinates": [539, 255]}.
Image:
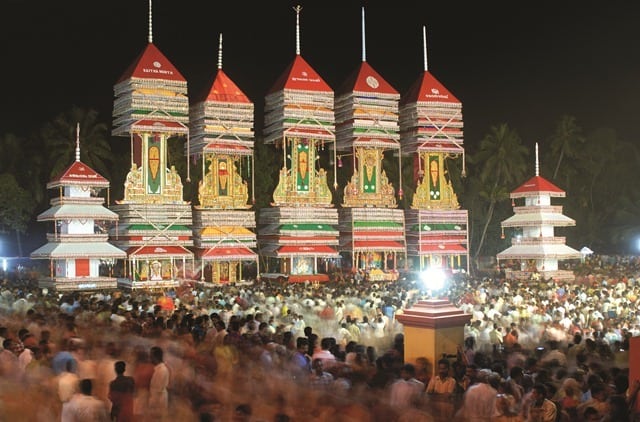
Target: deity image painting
{"type": "Point", "coordinates": [369, 173]}
{"type": "Point", "coordinates": [224, 271]}
{"type": "Point", "coordinates": [155, 271]}
{"type": "Point", "coordinates": [143, 273]}
{"type": "Point", "coordinates": [302, 265]}
{"type": "Point", "coordinates": [302, 179]}
{"type": "Point", "coordinates": [434, 177]}
{"type": "Point", "coordinates": [153, 161]}
{"type": "Point", "coordinates": [223, 178]}
{"type": "Point", "coordinates": [374, 260]}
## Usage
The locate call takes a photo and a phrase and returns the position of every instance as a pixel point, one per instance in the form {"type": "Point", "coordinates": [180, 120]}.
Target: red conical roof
{"type": "Point", "coordinates": [152, 64]}
{"type": "Point", "coordinates": [76, 174]}
{"type": "Point", "coordinates": [428, 89]}
{"type": "Point", "coordinates": [366, 79]}
{"type": "Point", "coordinates": [537, 185]}
{"type": "Point", "coordinates": [223, 89]}
{"type": "Point", "coordinates": [300, 76]}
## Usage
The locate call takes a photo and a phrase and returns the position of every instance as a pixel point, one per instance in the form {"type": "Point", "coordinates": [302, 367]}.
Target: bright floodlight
{"type": "Point", "coordinates": [433, 278]}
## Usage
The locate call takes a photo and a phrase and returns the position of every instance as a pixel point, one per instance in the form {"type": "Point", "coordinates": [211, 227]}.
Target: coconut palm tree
{"type": "Point", "coordinates": [59, 137]}
{"type": "Point", "coordinates": [23, 183]}
{"type": "Point", "coordinates": [624, 225]}
{"type": "Point", "coordinates": [605, 163]}
{"type": "Point", "coordinates": [501, 165]}
{"type": "Point", "coordinates": [12, 152]}
{"type": "Point", "coordinates": [566, 141]}
{"type": "Point", "coordinates": [16, 207]}
{"type": "Point", "coordinates": [625, 230]}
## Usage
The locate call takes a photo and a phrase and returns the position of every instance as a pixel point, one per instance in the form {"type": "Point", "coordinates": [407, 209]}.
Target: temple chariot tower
{"type": "Point", "coordinates": [298, 233]}
{"type": "Point", "coordinates": [221, 125]}
{"type": "Point", "coordinates": [431, 133]}
{"type": "Point", "coordinates": [372, 231]}
{"type": "Point", "coordinates": [151, 108]}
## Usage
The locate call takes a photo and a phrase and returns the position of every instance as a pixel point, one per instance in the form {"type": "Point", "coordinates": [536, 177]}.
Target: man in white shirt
{"type": "Point", "coordinates": [158, 393]}
{"type": "Point", "coordinates": [479, 400]}
{"type": "Point", "coordinates": [68, 383]}
{"type": "Point", "coordinates": [407, 391]}
{"type": "Point", "coordinates": [492, 313]}
{"type": "Point", "coordinates": [496, 337]}
{"type": "Point", "coordinates": [84, 407]}
{"type": "Point", "coordinates": [26, 356]}
{"type": "Point", "coordinates": [9, 365]}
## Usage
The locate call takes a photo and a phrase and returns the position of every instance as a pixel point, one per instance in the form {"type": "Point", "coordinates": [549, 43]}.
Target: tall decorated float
{"type": "Point", "coordinates": [372, 231]}
{"type": "Point", "coordinates": [535, 250]}
{"type": "Point", "coordinates": [431, 133]}
{"type": "Point", "coordinates": [79, 253]}
{"type": "Point", "coordinates": [221, 124]}
{"type": "Point", "coordinates": [151, 107]}
{"type": "Point", "coordinates": [298, 233]}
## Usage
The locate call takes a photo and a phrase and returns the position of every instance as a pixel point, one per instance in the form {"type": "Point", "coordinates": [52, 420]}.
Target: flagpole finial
{"type": "Point", "coordinates": [220, 51]}
{"type": "Point", "coordinates": [78, 142]}
{"type": "Point", "coordinates": [150, 21]}
{"type": "Point", "coordinates": [424, 47]}
{"type": "Point", "coordinates": [537, 162]}
{"type": "Point", "coordinates": [298, 8]}
{"type": "Point", "coordinates": [364, 44]}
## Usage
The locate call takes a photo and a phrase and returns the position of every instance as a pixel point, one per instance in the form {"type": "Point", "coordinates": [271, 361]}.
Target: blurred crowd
{"type": "Point", "coordinates": [533, 351]}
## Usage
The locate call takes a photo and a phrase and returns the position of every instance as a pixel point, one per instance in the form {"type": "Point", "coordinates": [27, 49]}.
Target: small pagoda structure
{"type": "Point", "coordinates": [80, 255]}
{"type": "Point", "coordinates": [431, 132]}
{"type": "Point", "coordinates": [150, 107]}
{"type": "Point", "coordinates": [372, 232]}
{"type": "Point", "coordinates": [221, 124]}
{"type": "Point", "coordinates": [535, 250]}
{"type": "Point", "coordinates": [299, 232]}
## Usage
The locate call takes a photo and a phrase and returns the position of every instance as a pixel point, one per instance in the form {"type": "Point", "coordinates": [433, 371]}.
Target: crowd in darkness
{"type": "Point", "coordinates": [533, 351]}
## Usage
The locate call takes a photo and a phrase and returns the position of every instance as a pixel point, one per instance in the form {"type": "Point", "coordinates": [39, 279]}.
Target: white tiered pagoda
{"type": "Point", "coordinates": [81, 258]}
{"type": "Point", "coordinates": [535, 250]}
{"type": "Point", "coordinates": [221, 124]}
{"type": "Point", "coordinates": [150, 107]}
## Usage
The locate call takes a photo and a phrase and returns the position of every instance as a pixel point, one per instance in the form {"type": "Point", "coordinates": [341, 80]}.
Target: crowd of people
{"type": "Point", "coordinates": [533, 351]}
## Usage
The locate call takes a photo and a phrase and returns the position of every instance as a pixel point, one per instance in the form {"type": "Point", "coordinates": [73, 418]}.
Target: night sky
{"type": "Point", "coordinates": [523, 63]}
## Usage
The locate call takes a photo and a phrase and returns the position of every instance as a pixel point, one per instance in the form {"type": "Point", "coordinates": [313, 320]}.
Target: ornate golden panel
{"type": "Point", "coordinates": [434, 190]}
{"type": "Point", "coordinates": [222, 185]}
{"type": "Point", "coordinates": [135, 189]}
{"type": "Point", "coordinates": [302, 184]}
{"type": "Point", "coordinates": [369, 185]}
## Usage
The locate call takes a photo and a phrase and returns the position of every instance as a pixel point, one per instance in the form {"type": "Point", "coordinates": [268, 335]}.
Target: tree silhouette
{"type": "Point", "coordinates": [16, 207]}
{"type": "Point", "coordinates": [566, 141]}
{"type": "Point", "coordinates": [605, 164]}
{"type": "Point", "coordinates": [268, 163]}
{"type": "Point", "coordinates": [59, 138]}
{"type": "Point", "coordinates": [500, 162]}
